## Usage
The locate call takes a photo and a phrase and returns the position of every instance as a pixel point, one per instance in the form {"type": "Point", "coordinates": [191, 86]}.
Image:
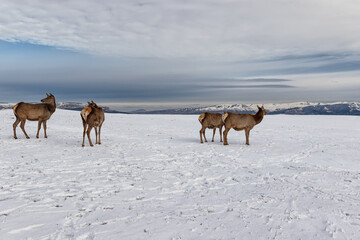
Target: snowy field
{"type": "Point", "coordinates": [152, 179]}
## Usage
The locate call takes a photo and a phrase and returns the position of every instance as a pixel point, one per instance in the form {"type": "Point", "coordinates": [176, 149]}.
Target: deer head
{"type": "Point", "coordinates": [262, 109]}
{"type": "Point", "coordinates": [49, 99]}
{"type": "Point", "coordinates": [92, 104]}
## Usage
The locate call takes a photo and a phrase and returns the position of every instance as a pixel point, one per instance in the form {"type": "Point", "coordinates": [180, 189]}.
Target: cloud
{"type": "Point", "coordinates": [260, 80]}
{"type": "Point", "coordinates": [246, 83]}
{"type": "Point", "coordinates": [322, 67]}
{"type": "Point", "coordinates": [73, 76]}
{"type": "Point", "coordinates": [171, 29]}
{"type": "Point", "coordinates": [166, 51]}
{"type": "Point", "coordinates": [265, 86]}
{"type": "Point", "coordinates": [311, 57]}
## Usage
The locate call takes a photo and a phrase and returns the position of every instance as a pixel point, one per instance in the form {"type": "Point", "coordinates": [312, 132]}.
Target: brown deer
{"type": "Point", "coordinates": [212, 121]}
{"type": "Point", "coordinates": [92, 117]}
{"type": "Point", "coordinates": [40, 112]}
{"type": "Point", "coordinates": [240, 122]}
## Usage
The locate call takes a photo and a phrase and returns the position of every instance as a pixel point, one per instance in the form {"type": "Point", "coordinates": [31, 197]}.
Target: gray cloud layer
{"type": "Point", "coordinates": [203, 29]}
{"type": "Point", "coordinates": [174, 50]}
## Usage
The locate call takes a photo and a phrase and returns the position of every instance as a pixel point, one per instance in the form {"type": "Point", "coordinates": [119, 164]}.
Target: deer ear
{"type": "Point", "coordinates": [88, 102]}
{"type": "Point", "coordinates": [47, 94]}
{"type": "Point", "coordinates": [258, 107]}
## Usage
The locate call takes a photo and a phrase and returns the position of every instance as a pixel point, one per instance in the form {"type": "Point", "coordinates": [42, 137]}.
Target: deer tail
{"type": "Point", "coordinates": [224, 117]}
{"type": "Point", "coordinates": [202, 117]}
{"type": "Point", "coordinates": [85, 113]}
{"type": "Point", "coordinates": [15, 107]}
{"type": "Point", "coordinates": [82, 116]}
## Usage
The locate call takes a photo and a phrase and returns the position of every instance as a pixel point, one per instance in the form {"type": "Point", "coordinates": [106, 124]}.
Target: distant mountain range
{"type": "Point", "coordinates": [298, 108]}
{"type": "Point", "coordinates": [80, 106]}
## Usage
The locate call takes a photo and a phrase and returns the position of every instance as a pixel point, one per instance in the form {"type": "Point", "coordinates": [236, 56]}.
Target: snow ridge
{"type": "Point", "coordinates": [297, 108]}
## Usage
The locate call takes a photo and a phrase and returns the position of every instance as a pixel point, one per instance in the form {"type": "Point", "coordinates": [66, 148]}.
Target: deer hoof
{"type": "Point", "coordinates": [91, 145]}
{"type": "Point", "coordinates": [226, 143]}
{"type": "Point", "coordinates": [15, 137]}
{"type": "Point", "coordinates": [28, 137]}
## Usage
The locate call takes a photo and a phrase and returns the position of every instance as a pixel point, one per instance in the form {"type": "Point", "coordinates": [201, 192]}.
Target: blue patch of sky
{"type": "Point", "coordinates": [23, 55]}
{"type": "Point", "coordinates": [21, 48]}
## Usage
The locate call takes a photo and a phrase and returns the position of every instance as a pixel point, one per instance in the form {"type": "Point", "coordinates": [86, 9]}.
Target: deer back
{"type": "Point", "coordinates": [238, 120]}
{"type": "Point", "coordinates": [32, 112]}
{"type": "Point", "coordinates": [96, 116]}
{"type": "Point", "coordinates": [211, 120]}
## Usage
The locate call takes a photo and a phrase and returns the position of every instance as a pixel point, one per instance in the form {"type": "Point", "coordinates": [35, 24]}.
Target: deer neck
{"type": "Point", "coordinates": [259, 117]}
{"type": "Point", "coordinates": [51, 106]}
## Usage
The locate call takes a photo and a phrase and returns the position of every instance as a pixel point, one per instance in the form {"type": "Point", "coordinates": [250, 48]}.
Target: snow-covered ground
{"type": "Point", "coordinates": [152, 179]}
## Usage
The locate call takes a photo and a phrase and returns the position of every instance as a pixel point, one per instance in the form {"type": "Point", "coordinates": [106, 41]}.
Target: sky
{"type": "Point", "coordinates": [151, 54]}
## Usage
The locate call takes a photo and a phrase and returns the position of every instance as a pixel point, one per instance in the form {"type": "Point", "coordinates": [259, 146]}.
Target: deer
{"type": "Point", "coordinates": [92, 116]}
{"type": "Point", "coordinates": [40, 112]}
{"type": "Point", "coordinates": [239, 121]}
{"type": "Point", "coordinates": [212, 121]}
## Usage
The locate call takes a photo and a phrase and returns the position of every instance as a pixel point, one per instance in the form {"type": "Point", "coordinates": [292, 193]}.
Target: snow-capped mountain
{"type": "Point", "coordinates": [299, 108]}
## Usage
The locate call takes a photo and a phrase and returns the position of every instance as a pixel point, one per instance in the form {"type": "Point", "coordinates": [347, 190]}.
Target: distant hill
{"type": "Point", "coordinates": [80, 106]}
{"type": "Point", "coordinates": [299, 108]}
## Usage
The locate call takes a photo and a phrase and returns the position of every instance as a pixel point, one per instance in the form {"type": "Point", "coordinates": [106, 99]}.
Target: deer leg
{"type": "Point", "coordinates": [22, 126]}
{"type": "Point", "coordinates": [17, 121]}
{"type": "Point", "coordinates": [247, 133]}
{"type": "Point", "coordinates": [44, 124]}
{"type": "Point", "coordinates": [220, 133]}
{"type": "Point", "coordinates": [202, 132]}
{"type": "Point", "coordinates": [99, 134]}
{"type": "Point", "coordinates": [88, 134]}
{"type": "Point", "coordinates": [225, 135]}
{"type": "Point", "coordinates": [84, 126]}
{"type": "Point", "coordinates": [96, 135]}
{"type": "Point", "coordinates": [213, 134]}
{"type": "Point", "coordinates": [83, 143]}
{"type": "Point", "coordinates": [39, 127]}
